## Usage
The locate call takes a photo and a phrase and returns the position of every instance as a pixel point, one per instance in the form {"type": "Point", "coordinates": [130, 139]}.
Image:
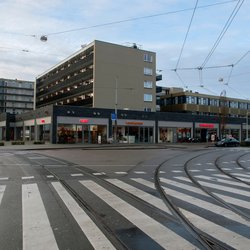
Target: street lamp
{"type": "Point", "coordinates": [116, 100]}
{"type": "Point", "coordinates": [247, 124]}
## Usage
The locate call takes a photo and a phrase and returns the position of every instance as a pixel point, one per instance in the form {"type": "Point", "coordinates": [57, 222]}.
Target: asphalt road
{"type": "Point", "coordinates": [173, 198]}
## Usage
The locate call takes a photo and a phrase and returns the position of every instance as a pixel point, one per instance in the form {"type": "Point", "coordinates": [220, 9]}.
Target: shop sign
{"type": "Point", "coordinates": [206, 125]}
{"type": "Point", "coordinates": [134, 123]}
{"type": "Point", "coordinates": [84, 120]}
{"type": "Point", "coordinates": [42, 121]}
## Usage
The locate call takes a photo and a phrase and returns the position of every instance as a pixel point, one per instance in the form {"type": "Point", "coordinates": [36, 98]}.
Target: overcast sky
{"type": "Point", "coordinates": [163, 30]}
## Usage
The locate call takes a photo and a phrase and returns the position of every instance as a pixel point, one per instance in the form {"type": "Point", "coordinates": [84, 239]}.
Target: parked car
{"type": "Point", "coordinates": [228, 142]}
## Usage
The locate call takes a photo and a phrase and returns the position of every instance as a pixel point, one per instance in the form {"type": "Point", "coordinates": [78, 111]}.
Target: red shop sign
{"type": "Point", "coordinates": [84, 120]}
{"type": "Point", "coordinates": [206, 125]}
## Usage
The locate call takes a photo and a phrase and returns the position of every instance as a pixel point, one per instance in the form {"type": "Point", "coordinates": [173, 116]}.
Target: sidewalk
{"type": "Point", "coordinates": [48, 146]}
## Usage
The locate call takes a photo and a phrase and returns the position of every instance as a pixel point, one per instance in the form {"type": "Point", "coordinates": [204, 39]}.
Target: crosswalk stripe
{"type": "Point", "coordinates": [2, 189]}
{"type": "Point", "coordinates": [149, 198]}
{"type": "Point", "coordinates": [234, 201]}
{"type": "Point", "coordinates": [199, 202]}
{"type": "Point", "coordinates": [223, 188]}
{"type": "Point", "coordinates": [152, 228]}
{"type": "Point", "coordinates": [92, 232]}
{"type": "Point", "coordinates": [37, 233]}
{"type": "Point", "coordinates": [221, 233]}
{"type": "Point", "coordinates": [233, 183]}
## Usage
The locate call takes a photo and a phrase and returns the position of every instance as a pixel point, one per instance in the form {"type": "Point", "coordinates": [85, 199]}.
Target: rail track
{"type": "Point", "coordinates": [163, 205]}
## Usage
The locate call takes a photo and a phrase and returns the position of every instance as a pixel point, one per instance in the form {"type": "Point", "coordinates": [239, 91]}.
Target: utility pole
{"type": "Point", "coordinates": [116, 100]}
{"type": "Point", "coordinates": [247, 124]}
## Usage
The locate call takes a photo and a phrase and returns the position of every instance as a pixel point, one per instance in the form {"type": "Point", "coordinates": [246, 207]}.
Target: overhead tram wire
{"type": "Point", "coordinates": [184, 42]}
{"type": "Point", "coordinates": [139, 18]}
{"type": "Point", "coordinates": [223, 32]}
{"type": "Point", "coordinates": [185, 39]}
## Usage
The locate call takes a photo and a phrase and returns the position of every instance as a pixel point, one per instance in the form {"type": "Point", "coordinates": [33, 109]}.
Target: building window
{"type": "Point", "coordinates": [203, 101]}
{"type": "Point", "coordinates": [148, 71]}
{"type": "Point", "coordinates": [148, 57]}
{"type": "Point", "coordinates": [148, 98]}
{"type": "Point", "coordinates": [147, 109]}
{"type": "Point", "coordinates": [191, 100]}
{"type": "Point", "coordinates": [148, 84]}
{"type": "Point", "coordinates": [214, 102]}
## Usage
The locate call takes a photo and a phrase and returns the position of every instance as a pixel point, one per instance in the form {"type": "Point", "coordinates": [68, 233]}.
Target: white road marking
{"type": "Point", "coordinates": [50, 176]}
{"type": "Point", "coordinates": [162, 172]}
{"type": "Point", "coordinates": [224, 188]}
{"type": "Point", "coordinates": [221, 211]}
{"type": "Point", "coordinates": [177, 171]}
{"type": "Point", "coordinates": [89, 228]}
{"type": "Point", "coordinates": [99, 173]}
{"type": "Point", "coordinates": [162, 235]}
{"type": "Point", "coordinates": [149, 198]}
{"type": "Point", "coordinates": [139, 172]}
{"type": "Point", "coordinates": [37, 232]}
{"type": "Point", "coordinates": [2, 189]}
{"type": "Point", "coordinates": [121, 172]}
{"type": "Point", "coordinates": [27, 177]}
{"type": "Point", "coordinates": [218, 180]}
{"type": "Point", "coordinates": [37, 157]}
{"type": "Point", "coordinates": [194, 170]}
{"type": "Point", "coordinates": [77, 174]}
{"type": "Point", "coordinates": [4, 178]}
{"type": "Point", "coordinates": [210, 169]}
{"type": "Point", "coordinates": [217, 231]}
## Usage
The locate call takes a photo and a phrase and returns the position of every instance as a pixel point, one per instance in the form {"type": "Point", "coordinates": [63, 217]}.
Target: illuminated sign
{"type": "Point", "coordinates": [206, 125]}
{"type": "Point", "coordinates": [84, 120]}
{"type": "Point", "coordinates": [134, 123]}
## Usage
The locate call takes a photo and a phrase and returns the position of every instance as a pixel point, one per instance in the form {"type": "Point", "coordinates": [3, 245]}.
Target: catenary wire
{"type": "Point", "coordinates": [223, 32]}
{"type": "Point", "coordinates": [185, 39]}
{"type": "Point", "coordinates": [139, 18]}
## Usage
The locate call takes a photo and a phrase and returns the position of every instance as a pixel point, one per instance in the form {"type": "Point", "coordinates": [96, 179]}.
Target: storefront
{"type": "Point", "coordinates": [232, 130]}
{"type": "Point", "coordinates": [81, 130]}
{"type": "Point", "coordinates": [206, 132]}
{"type": "Point", "coordinates": [135, 131]}
{"type": "Point", "coordinates": [174, 131]}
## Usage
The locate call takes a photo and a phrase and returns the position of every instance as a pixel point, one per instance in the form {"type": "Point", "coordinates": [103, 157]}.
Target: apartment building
{"type": "Point", "coordinates": [101, 75]}
{"type": "Point", "coordinates": [16, 96]}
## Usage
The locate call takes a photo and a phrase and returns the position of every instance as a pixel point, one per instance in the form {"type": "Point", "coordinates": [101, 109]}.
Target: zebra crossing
{"type": "Point", "coordinates": [211, 217]}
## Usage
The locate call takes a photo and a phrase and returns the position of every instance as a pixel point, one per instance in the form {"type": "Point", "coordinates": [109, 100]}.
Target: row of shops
{"type": "Point", "coordinates": [64, 124]}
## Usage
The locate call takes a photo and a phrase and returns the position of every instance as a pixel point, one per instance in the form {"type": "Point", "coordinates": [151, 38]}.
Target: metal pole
{"type": "Point", "coordinates": [116, 100]}
{"type": "Point", "coordinates": [247, 125]}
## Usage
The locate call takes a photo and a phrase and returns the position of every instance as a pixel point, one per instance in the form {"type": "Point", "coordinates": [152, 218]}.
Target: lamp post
{"type": "Point", "coordinates": [247, 124]}
{"type": "Point", "coordinates": [116, 100]}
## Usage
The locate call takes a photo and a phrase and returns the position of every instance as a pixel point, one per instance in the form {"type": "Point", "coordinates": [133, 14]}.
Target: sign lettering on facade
{"type": "Point", "coordinates": [206, 125]}
{"type": "Point", "coordinates": [134, 123]}
{"type": "Point", "coordinates": [84, 120]}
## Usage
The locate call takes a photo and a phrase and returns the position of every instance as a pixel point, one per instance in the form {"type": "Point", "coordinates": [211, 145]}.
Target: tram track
{"type": "Point", "coordinates": [221, 201]}
{"type": "Point", "coordinates": [227, 173]}
{"type": "Point", "coordinates": [205, 239]}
